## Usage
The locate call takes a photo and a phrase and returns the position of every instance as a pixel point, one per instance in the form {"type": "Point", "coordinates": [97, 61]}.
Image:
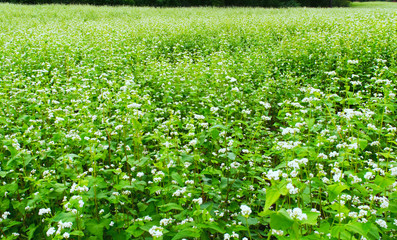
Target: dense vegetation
{"type": "Point", "coordinates": [190, 3]}
{"type": "Point", "coordinates": [204, 123]}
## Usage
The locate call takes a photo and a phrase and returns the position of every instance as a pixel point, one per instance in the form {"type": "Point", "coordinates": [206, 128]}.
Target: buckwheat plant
{"type": "Point", "coordinates": [202, 123]}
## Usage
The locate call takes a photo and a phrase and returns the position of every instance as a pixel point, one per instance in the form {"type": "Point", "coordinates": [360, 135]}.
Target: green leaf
{"type": "Point", "coordinates": [175, 176]}
{"type": "Point", "coordinates": [251, 221]}
{"type": "Point", "coordinates": [357, 227]}
{"type": "Point", "coordinates": [231, 156]}
{"type": "Point", "coordinates": [213, 226]}
{"type": "Point", "coordinates": [311, 218]}
{"type": "Point", "coordinates": [142, 207]}
{"type": "Point", "coordinates": [64, 217]}
{"type": "Point", "coordinates": [135, 231]}
{"type": "Point", "coordinates": [95, 228]}
{"type": "Point", "coordinates": [214, 133]}
{"type": "Point", "coordinates": [373, 232]}
{"type": "Point", "coordinates": [77, 233]}
{"type": "Point", "coordinates": [170, 206]}
{"type": "Point", "coordinates": [340, 232]}
{"type": "Point", "coordinates": [272, 195]}
{"type": "Point", "coordinates": [310, 122]}
{"type": "Point", "coordinates": [3, 173]}
{"type": "Point", "coordinates": [281, 220]}
{"type": "Point", "coordinates": [335, 190]}
{"type": "Point", "coordinates": [32, 228]}
{"type": "Point", "coordinates": [383, 182]}
{"type": "Point", "coordinates": [187, 233]}
{"type": "Point", "coordinates": [363, 144]}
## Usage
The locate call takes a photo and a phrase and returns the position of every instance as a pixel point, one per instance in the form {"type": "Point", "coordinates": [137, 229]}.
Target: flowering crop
{"type": "Point", "coordinates": [206, 123]}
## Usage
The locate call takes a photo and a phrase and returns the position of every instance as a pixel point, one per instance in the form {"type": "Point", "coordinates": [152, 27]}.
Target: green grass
{"type": "Point", "coordinates": [374, 5]}
{"type": "Point", "coordinates": [197, 123]}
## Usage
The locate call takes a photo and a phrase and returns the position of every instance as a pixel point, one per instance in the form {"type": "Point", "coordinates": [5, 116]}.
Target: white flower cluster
{"type": "Point", "coordinates": [288, 145]}
{"type": "Point", "coordinates": [77, 188]}
{"type": "Point", "coordinates": [369, 175]}
{"type": "Point", "coordinates": [277, 232]}
{"type": "Point", "coordinates": [61, 226]}
{"type": "Point", "coordinates": [352, 61]}
{"type": "Point", "coordinates": [292, 189]}
{"type": "Point", "coordinates": [382, 223]}
{"type": "Point", "coordinates": [179, 192]}
{"type": "Point", "coordinates": [274, 175]}
{"type": "Point", "coordinates": [44, 211]}
{"type": "Point", "coordinates": [297, 213]}
{"type": "Point", "coordinates": [289, 130]}
{"type": "Point", "coordinates": [134, 105]}
{"type": "Point", "coordinates": [349, 113]}
{"type": "Point", "coordinates": [4, 216]}
{"type": "Point", "coordinates": [198, 200]}
{"type": "Point", "coordinates": [156, 232]}
{"type": "Point", "coordinates": [295, 164]}
{"type": "Point", "coordinates": [384, 201]}
{"type": "Point", "coordinates": [235, 165]}
{"type": "Point", "coordinates": [227, 236]}
{"type": "Point", "coordinates": [245, 210]}
{"type": "Point", "coordinates": [166, 221]}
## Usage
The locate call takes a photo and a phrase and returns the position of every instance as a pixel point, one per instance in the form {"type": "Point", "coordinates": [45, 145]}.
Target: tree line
{"type": "Point", "coordinates": [193, 3]}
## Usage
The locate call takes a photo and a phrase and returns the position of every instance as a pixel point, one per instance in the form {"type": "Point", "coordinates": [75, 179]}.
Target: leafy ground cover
{"type": "Point", "coordinates": [373, 4]}
{"type": "Point", "coordinates": [204, 123]}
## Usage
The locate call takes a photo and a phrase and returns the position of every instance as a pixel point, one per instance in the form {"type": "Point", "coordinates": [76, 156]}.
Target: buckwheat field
{"type": "Point", "coordinates": [198, 123]}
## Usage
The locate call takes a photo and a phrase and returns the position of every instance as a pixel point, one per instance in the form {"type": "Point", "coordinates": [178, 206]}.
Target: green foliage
{"type": "Point", "coordinates": [190, 3]}
{"type": "Point", "coordinates": [197, 123]}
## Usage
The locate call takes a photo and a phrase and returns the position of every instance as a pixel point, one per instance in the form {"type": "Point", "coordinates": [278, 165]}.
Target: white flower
{"type": "Point", "coordinates": [165, 221]}
{"type": "Point", "coordinates": [333, 154]}
{"type": "Point", "coordinates": [265, 104]}
{"type": "Point", "coordinates": [156, 231]}
{"type": "Point", "coordinates": [43, 211]}
{"type": "Point", "coordinates": [5, 215]}
{"type": "Point", "coordinates": [277, 232]}
{"type": "Point", "coordinates": [368, 175]}
{"type": "Point", "coordinates": [245, 210]}
{"type": "Point", "coordinates": [111, 223]}
{"type": "Point", "coordinates": [199, 117]}
{"type": "Point", "coordinates": [179, 192]}
{"type": "Point", "coordinates": [331, 73]}
{"type": "Point", "coordinates": [214, 109]}
{"type": "Point", "coordinates": [77, 188]}
{"type": "Point", "coordinates": [198, 200]}
{"type": "Point", "coordinates": [134, 105]}
{"type": "Point", "coordinates": [140, 174]}
{"type": "Point", "coordinates": [381, 223]}
{"type": "Point", "coordinates": [235, 165]}
{"type": "Point", "coordinates": [235, 235]}
{"type": "Point", "coordinates": [63, 225]}
{"type": "Point", "coordinates": [352, 61]}
{"type": "Point", "coordinates": [50, 231]}
{"type": "Point", "coordinates": [297, 213]}
{"type": "Point", "coordinates": [292, 189]}
{"type": "Point", "coordinates": [274, 174]}
{"type": "Point", "coordinates": [288, 130]}
{"type": "Point", "coordinates": [226, 236]}
{"type": "Point", "coordinates": [66, 235]}
{"type": "Point", "coordinates": [193, 142]}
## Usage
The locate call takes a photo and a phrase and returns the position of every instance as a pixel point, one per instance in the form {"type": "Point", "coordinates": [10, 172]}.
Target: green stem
{"type": "Point", "coordinates": [249, 233]}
